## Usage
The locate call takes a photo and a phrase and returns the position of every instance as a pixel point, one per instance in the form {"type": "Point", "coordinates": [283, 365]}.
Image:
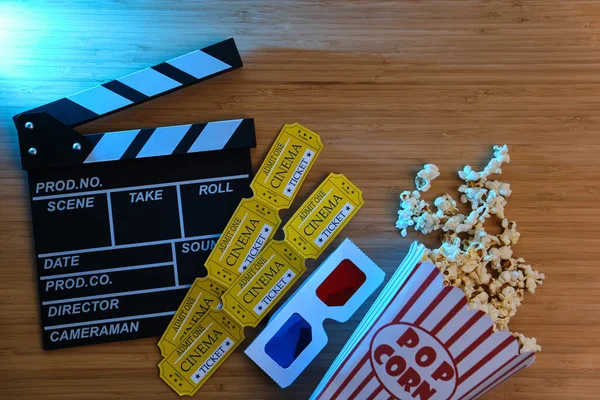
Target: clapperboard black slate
{"type": "Point", "coordinates": [123, 221]}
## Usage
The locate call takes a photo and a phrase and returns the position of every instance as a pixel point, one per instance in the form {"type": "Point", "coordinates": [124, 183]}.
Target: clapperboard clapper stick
{"type": "Point", "coordinates": [123, 221]}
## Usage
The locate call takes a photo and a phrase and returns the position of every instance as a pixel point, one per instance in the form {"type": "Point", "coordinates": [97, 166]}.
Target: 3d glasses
{"type": "Point", "coordinates": [295, 335]}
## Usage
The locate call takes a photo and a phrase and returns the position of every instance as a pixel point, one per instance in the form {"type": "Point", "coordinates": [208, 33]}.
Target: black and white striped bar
{"type": "Point", "coordinates": [146, 84]}
{"type": "Point", "coordinates": [171, 140]}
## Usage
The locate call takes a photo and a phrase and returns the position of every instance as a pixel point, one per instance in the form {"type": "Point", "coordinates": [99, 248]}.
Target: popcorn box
{"type": "Point", "coordinates": [420, 341]}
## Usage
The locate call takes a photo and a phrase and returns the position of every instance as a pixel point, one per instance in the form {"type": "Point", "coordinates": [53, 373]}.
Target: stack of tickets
{"type": "Point", "coordinates": [248, 273]}
{"type": "Point", "coordinates": [420, 341]}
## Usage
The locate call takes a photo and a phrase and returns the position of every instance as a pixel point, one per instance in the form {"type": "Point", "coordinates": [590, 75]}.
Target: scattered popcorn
{"type": "Point", "coordinates": [479, 263]}
{"type": "Point", "coordinates": [510, 234]}
{"type": "Point", "coordinates": [425, 176]}
{"type": "Point", "coordinates": [527, 344]}
{"type": "Point", "coordinates": [500, 156]}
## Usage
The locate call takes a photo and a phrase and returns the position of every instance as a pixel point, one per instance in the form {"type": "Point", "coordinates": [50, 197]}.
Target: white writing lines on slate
{"type": "Point", "coordinates": [126, 246]}
{"type": "Point", "coordinates": [120, 294]}
{"type": "Point", "coordinates": [100, 271]}
{"type": "Point", "coordinates": [110, 219]}
{"type": "Point", "coordinates": [175, 271]}
{"type": "Point", "coordinates": [136, 188]}
{"type": "Point", "coordinates": [181, 227]}
{"type": "Point", "coordinates": [104, 321]}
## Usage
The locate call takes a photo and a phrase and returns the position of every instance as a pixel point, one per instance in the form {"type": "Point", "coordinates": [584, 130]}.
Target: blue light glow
{"type": "Point", "coordinates": [50, 50]}
{"type": "Point", "coordinates": [13, 19]}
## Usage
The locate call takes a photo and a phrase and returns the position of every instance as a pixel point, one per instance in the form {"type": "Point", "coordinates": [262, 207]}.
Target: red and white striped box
{"type": "Point", "coordinates": [420, 341]}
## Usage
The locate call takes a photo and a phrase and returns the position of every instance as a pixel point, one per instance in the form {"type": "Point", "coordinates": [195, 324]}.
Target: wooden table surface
{"type": "Point", "coordinates": [389, 85]}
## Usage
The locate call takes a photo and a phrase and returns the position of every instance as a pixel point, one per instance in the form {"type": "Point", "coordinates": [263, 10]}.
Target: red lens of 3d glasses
{"type": "Point", "coordinates": [341, 284]}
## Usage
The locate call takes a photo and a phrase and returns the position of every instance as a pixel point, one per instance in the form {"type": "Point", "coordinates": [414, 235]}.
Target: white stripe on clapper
{"type": "Point", "coordinates": [99, 100]}
{"type": "Point", "coordinates": [149, 82]}
{"type": "Point", "coordinates": [198, 64]}
{"type": "Point", "coordinates": [111, 146]}
{"type": "Point", "coordinates": [163, 141]}
{"type": "Point", "coordinates": [215, 135]}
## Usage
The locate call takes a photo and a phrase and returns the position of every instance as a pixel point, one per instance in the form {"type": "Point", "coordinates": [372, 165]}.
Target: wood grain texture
{"type": "Point", "coordinates": [389, 85]}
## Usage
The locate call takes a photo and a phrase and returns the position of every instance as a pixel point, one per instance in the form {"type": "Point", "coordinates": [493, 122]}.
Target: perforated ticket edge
{"type": "Point", "coordinates": [250, 228]}
{"type": "Point", "coordinates": [287, 163]}
{"type": "Point", "coordinates": [229, 337]}
{"type": "Point", "coordinates": [192, 303]}
{"type": "Point", "coordinates": [279, 283]}
{"type": "Point", "coordinates": [269, 199]}
{"type": "Point", "coordinates": [294, 245]}
{"type": "Point", "coordinates": [351, 200]}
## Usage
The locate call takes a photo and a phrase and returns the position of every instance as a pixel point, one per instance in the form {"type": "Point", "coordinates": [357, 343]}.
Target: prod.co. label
{"type": "Point", "coordinates": [412, 364]}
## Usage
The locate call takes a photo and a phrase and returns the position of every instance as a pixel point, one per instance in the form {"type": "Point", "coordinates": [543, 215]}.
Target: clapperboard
{"type": "Point", "coordinates": [123, 221]}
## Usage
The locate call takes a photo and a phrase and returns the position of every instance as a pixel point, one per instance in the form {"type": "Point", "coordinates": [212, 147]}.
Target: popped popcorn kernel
{"type": "Point", "coordinates": [527, 344]}
{"type": "Point", "coordinates": [494, 166]}
{"type": "Point", "coordinates": [479, 263]}
{"type": "Point", "coordinates": [425, 176]}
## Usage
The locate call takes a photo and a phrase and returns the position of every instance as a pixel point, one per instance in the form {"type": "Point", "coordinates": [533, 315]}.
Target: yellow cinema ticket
{"type": "Point", "coordinates": [250, 228]}
{"type": "Point", "coordinates": [307, 234]}
{"type": "Point", "coordinates": [206, 346]}
{"type": "Point", "coordinates": [205, 294]}
{"type": "Point", "coordinates": [256, 291]}
{"type": "Point", "coordinates": [255, 220]}
{"type": "Point", "coordinates": [324, 213]}
{"type": "Point", "coordinates": [286, 166]}
{"type": "Point", "coordinates": [264, 282]}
